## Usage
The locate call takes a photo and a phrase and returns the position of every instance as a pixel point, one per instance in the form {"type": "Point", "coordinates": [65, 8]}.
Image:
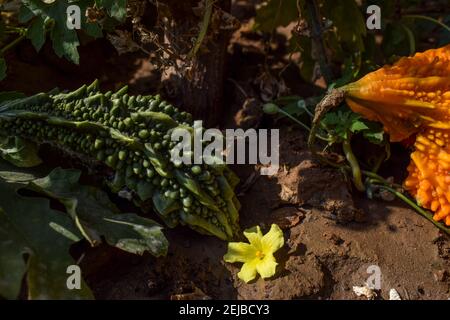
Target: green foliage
{"type": "Point", "coordinates": [37, 32]}
{"type": "Point", "coordinates": [349, 27]}
{"type": "Point", "coordinates": [342, 123]}
{"type": "Point", "coordinates": [65, 40]}
{"type": "Point", "coordinates": [344, 35]}
{"type": "Point", "coordinates": [115, 8]}
{"type": "Point", "coordinates": [96, 216]}
{"type": "Point", "coordinates": [28, 225]}
{"type": "Point", "coordinates": [37, 19]}
{"type": "Point", "coordinates": [275, 13]}
{"type": "Point", "coordinates": [19, 152]}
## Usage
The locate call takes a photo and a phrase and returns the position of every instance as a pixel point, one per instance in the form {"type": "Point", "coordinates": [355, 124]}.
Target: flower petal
{"type": "Point", "coordinates": [272, 240]}
{"type": "Point", "coordinates": [254, 236]}
{"type": "Point", "coordinates": [239, 252]}
{"type": "Point", "coordinates": [267, 266]}
{"type": "Point", "coordinates": [248, 271]}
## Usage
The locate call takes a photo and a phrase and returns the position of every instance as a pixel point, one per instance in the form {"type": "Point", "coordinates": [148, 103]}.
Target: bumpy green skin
{"type": "Point", "coordinates": [131, 135]}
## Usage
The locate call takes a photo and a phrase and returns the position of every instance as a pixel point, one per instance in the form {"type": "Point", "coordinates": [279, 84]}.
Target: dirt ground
{"type": "Point", "coordinates": [323, 257]}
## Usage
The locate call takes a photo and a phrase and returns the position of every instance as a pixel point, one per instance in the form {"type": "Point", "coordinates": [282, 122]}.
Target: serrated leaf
{"type": "Point", "coordinates": [65, 41]}
{"type": "Point", "coordinates": [374, 133]}
{"type": "Point", "coordinates": [119, 10]}
{"type": "Point", "coordinates": [19, 152]}
{"type": "Point", "coordinates": [357, 126]}
{"type": "Point", "coordinates": [342, 121]}
{"type": "Point", "coordinates": [36, 33]}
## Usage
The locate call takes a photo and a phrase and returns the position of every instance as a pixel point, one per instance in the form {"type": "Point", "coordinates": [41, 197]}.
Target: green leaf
{"type": "Point", "coordinates": [144, 190]}
{"type": "Point", "coordinates": [19, 152]}
{"type": "Point", "coordinates": [296, 108]}
{"type": "Point", "coordinates": [116, 9]}
{"type": "Point", "coordinates": [10, 95]}
{"type": "Point", "coordinates": [65, 40]}
{"type": "Point", "coordinates": [374, 133]}
{"type": "Point", "coordinates": [343, 121]}
{"type": "Point", "coordinates": [96, 216]}
{"type": "Point", "coordinates": [2, 69]}
{"type": "Point", "coordinates": [164, 205]}
{"type": "Point", "coordinates": [275, 13]}
{"type": "Point", "coordinates": [29, 226]}
{"type": "Point", "coordinates": [357, 126]}
{"type": "Point", "coordinates": [25, 14]}
{"type": "Point", "coordinates": [36, 33]}
{"type": "Point", "coordinates": [348, 21]}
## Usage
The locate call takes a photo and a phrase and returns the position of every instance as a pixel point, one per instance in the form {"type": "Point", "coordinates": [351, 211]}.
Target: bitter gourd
{"type": "Point", "coordinates": [132, 136]}
{"type": "Point", "coordinates": [412, 97]}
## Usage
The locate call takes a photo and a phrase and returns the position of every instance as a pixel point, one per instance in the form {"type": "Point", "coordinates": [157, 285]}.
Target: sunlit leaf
{"type": "Point", "coordinates": [19, 152]}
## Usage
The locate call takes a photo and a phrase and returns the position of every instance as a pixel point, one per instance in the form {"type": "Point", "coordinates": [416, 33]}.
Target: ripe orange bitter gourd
{"type": "Point", "coordinates": [410, 97]}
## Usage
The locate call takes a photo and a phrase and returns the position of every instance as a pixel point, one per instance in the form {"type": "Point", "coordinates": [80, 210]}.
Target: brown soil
{"type": "Point", "coordinates": [322, 259]}
{"type": "Point", "coordinates": [324, 256]}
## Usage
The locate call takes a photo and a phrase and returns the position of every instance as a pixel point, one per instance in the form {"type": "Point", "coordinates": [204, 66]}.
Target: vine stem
{"type": "Point", "coordinates": [332, 99]}
{"type": "Point", "coordinates": [203, 28]}
{"type": "Point", "coordinates": [421, 211]}
{"type": "Point", "coordinates": [316, 32]}
{"type": "Point", "coordinates": [356, 170]}
{"type": "Point", "coordinates": [11, 44]}
{"type": "Point", "coordinates": [411, 40]}
{"type": "Point", "coordinates": [304, 126]}
{"type": "Point", "coordinates": [417, 16]}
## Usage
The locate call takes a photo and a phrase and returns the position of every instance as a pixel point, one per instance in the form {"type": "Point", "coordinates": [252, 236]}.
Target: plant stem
{"type": "Point", "coordinates": [421, 211]}
{"type": "Point", "coordinates": [316, 32]}
{"type": "Point", "coordinates": [11, 44]}
{"type": "Point", "coordinates": [417, 16]}
{"type": "Point", "coordinates": [356, 170]}
{"type": "Point", "coordinates": [304, 126]}
{"type": "Point", "coordinates": [379, 179]}
{"type": "Point", "coordinates": [411, 39]}
{"type": "Point", "coordinates": [16, 29]}
{"type": "Point", "coordinates": [203, 28]}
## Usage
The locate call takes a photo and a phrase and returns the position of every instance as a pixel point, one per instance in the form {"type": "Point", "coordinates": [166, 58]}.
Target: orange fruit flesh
{"type": "Point", "coordinates": [429, 179]}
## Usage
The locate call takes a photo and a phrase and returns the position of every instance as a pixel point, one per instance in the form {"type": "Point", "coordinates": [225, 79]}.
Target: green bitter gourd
{"type": "Point", "coordinates": [131, 135]}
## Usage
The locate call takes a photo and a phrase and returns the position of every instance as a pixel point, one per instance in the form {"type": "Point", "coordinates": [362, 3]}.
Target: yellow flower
{"type": "Point", "coordinates": [257, 255]}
